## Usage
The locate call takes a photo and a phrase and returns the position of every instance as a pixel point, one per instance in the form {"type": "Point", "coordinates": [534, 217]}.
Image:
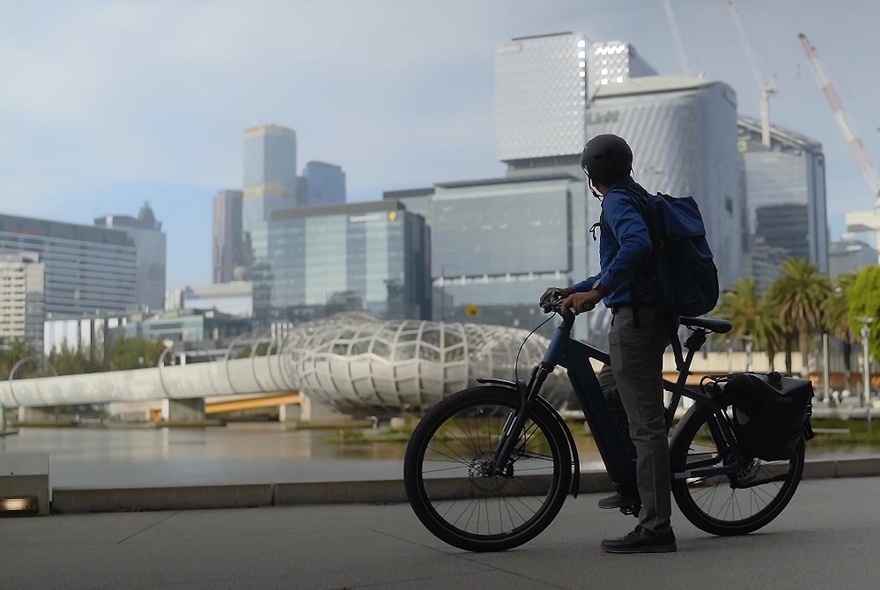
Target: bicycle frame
{"type": "Point", "coordinates": [575, 357]}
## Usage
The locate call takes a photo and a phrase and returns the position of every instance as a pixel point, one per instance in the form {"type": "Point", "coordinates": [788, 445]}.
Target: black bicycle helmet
{"type": "Point", "coordinates": [606, 159]}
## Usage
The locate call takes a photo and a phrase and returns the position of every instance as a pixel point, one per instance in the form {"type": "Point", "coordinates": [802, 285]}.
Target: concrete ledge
{"type": "Point", "coordinates": [8, 432]}
{"type": "Point", "coordinates": [857, 468]}
{"type": "Point", "coordinates": [26, 475]}
{"type": "Point", "coordinates": [340, 492]}
{"type": "Point", "coordinates": [69, 500]}
{"type": "Point", "coordinates": [820, 469]}
{"type": "Point", "coordinates": [594, 482]}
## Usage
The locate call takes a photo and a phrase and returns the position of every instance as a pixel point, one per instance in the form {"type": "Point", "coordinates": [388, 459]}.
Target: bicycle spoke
{"type": "Point", "coordinates": [743, 499]}
{"type": "Point", "coordinates": [472, 501]}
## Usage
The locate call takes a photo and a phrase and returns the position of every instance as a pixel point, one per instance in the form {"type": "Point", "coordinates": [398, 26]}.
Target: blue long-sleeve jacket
{"type": "Point", "coordinates": [624, 254]}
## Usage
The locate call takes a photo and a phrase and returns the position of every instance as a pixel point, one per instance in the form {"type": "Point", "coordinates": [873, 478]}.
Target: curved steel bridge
{"type": "Point", "coordinates": [255, 375]}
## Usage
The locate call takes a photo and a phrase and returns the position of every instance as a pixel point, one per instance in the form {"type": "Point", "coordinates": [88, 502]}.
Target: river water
{"type": "Point", "coordinates": [239, 453]}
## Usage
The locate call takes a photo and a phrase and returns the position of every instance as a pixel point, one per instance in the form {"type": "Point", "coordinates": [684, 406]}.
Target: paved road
{"type": "Point", "coordinates": [829, 537]}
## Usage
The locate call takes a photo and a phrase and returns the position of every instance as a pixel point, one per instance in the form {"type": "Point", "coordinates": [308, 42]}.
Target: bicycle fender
{"type": "Point", "coordinates": [576, 461]}
{"type": "Point", "coordinates": [715, 403]}
{"type": "Point", "coordinates": [678, 427]}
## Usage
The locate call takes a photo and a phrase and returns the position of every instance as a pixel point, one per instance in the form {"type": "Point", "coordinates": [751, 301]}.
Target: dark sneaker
{"type": "Point", "coordinates": [641, 541]}
{"type": "Point", "coordinates": [622, 499]}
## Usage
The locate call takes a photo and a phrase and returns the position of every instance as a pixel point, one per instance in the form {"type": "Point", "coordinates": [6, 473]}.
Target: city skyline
{"type": "Point", "coordinates": [180, 148]}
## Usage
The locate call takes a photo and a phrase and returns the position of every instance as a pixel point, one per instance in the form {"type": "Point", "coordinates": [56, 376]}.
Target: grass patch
{"type": "Point", "coordinates": [858, 431]}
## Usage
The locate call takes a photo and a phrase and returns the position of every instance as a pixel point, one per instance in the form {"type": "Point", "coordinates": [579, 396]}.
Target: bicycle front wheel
{"type": "Point", "coordinates": [447, 479]}
{"type": "Point", "coordinates": [734, 504]}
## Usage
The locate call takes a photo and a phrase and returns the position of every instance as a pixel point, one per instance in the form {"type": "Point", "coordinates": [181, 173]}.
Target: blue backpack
{"type": "Point", "coordinates": [686, 273]}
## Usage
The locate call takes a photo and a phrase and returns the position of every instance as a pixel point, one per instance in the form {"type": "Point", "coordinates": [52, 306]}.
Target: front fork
{"type": "Point", "coordinates": [515, 422]}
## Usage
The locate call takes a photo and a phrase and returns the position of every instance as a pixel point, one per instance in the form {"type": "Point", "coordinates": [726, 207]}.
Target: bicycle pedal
{"type": "Point", "coordinates": [632, 510]}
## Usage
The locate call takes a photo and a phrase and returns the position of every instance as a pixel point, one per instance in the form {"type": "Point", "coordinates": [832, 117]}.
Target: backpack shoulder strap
{"type": "Point", "coordinates": [669, 319]}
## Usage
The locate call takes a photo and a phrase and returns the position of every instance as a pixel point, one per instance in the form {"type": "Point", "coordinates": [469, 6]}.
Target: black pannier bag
{"type": "Point", "coordinates": [771, 413]}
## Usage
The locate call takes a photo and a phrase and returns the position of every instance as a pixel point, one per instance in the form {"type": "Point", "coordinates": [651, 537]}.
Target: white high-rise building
{"type": "Point", "coordinates": [683, 132]}
{"type": "Point", "coordinates": [22, 284]}
{"type": "Point", "coordinates": [614, 62]}
{"type": "Point", "coordinates": [543, 88]}
{"type": "Point", "coordinates": [540, 96]}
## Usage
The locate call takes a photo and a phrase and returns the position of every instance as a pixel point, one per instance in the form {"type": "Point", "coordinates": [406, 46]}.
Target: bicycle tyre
{"type": "Point", "coordinates": [418, 495]}
{"type": "Point", "coordinates": [686, 502]}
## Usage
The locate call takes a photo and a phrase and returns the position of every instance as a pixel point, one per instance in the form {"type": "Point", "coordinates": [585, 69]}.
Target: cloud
{"type": "Point", "coordinates": [104, 93]}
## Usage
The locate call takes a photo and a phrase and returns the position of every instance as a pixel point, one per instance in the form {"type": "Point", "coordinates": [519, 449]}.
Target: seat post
{"type": "Point", "coordinates": [694, 342]}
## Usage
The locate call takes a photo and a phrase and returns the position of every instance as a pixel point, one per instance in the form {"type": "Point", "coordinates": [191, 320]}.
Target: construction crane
{"type": "Point", "coordinates": [676, 35]}
{"type": "Point", "coordinates": [862, 157]}
{"type": "Point", "coordinates": [767, 89]}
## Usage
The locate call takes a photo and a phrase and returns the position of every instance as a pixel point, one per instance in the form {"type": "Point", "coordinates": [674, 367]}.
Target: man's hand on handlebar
{"type": "Point", "coordinates": [556, 293]}
{"type": "Point", "coordinates": [580, 302]}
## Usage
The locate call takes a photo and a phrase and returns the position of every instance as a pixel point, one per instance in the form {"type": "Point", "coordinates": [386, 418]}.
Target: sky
{"type": "Point", "coordinates": [106, 104]}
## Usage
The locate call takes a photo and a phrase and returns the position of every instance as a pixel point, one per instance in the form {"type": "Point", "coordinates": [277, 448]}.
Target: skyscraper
{"type": "Point", "coordinates": [540, 96]}
{"type": "Point", "coordinates": [22, 284]}
{"type": "Point", "coordinates": [325, 184]}
{"type": "Point", "coordinates": [785, 193]}
{"type": "Point", "coordinates": [150, 244]}
{"type": "Point", "coordinates": [683, 135]}
{"type": "Point", "coordinates": [849, 256]}
{"type": "Point", "coordinates": [614, 62]}
{"type": "Point", "coordinates": [230, 250]}
{"type": "Point", "coordinates": [88, 270]}
{"type": "Point", "coordinates": [543, 88]}
{"type": "Point", "coordinates": [269, 161]}
{"type": "Point", "coordinates": [372, 257]}
{"type": "Point", "coordinates": [270, 180]}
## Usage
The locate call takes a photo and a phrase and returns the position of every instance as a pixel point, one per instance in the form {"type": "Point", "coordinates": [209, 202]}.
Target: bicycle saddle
{"type": "Point", "coordinates": [717, 326]}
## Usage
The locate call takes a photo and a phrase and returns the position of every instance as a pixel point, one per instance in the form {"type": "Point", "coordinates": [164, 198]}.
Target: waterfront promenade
{"type": "Point", "coordinates": [826, 538]}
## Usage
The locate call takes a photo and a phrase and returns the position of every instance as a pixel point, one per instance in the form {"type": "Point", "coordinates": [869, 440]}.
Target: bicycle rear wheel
{"type": "Point", "coordinates": [447, 463]}
{"type": "Point", "coordinates": [728, 504]}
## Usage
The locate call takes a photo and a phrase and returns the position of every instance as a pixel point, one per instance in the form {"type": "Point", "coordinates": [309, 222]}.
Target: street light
{"type": "Point", "coordinates": [825, 377]}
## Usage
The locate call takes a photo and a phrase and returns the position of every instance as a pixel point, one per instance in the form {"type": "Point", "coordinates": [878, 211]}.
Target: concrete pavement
{"type": "Point", "coordinates": [826, 538]}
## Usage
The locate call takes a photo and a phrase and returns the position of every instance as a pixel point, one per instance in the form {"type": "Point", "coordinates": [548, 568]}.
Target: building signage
{"type": "Point", "coordinates": [361, 218]}
{"type": "Point", "coordinates": [594, 117]}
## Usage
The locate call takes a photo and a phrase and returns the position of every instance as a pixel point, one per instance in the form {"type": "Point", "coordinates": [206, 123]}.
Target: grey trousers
{"type": "Point", "coordinates": [633, 387]}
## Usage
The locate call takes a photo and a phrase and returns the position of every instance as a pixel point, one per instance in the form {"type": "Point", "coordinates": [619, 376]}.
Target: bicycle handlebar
{"type": "Point", "coordinates": [554, 305]}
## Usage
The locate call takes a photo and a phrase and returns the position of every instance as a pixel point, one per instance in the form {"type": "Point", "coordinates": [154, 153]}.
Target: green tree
{"type": "Point", "coordinates": [68, 361]}
{"type": "Point", "coordinates": [837, 322]}
{"type": "Point", "coordinates": [798, 296]}
{"type": "Point", "coordinates": [751, 315]}
{"type": "Point", "coordinates": [123, 353]}
{"type": "Point", "coordinates": [864, 302]}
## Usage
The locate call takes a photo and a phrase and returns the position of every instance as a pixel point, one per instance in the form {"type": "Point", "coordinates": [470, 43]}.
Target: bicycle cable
{"type": "Point", "coordinates": [516, 362]}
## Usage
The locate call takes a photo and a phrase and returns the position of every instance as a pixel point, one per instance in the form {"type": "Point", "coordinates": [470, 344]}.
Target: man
{"type": "Point", "coordinates": [633, 383]}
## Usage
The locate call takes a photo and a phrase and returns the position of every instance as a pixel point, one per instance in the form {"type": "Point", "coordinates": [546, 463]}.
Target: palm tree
{"type": "Point", "coordinates": [836, 311]}
{"type": "Point", "coordinates": [751, 315]}
{"type": "Point", "coordinates": [740, 306]}
{"type": "Point", "coordinates": [798, 296]}
{"type": "Point", "coordinates": [768, 330]}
